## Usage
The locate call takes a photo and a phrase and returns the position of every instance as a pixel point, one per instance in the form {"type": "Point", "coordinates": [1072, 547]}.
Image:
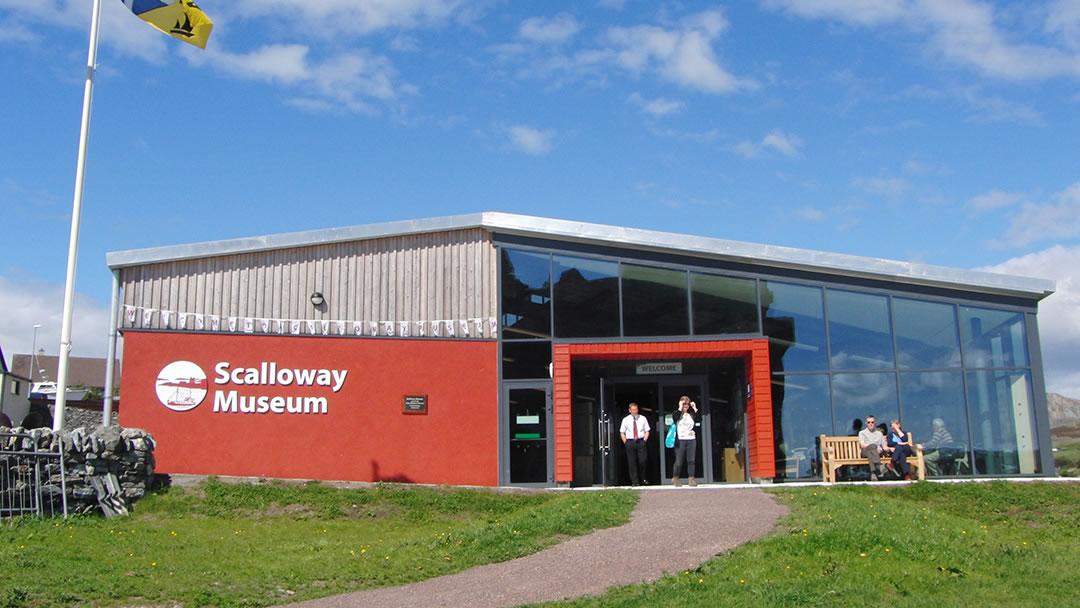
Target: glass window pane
{"type": "Point", "coordinates": [926, 334]}
{"type": "Point", "coordinates": [860, 336]}
{"type": "Point", "coordinates": [654, 301]}
{"type": "Point", "coordinates": [935, 413]}
{"type": "Point", "coordinates": [526, 294]}
{"type": "Point", "coordinates": [528, 435]}
{"type": "Point", "coordinates": [802, 412]}
{"type": "Point", "coordinates": [1002, 423]}
{"type": "Point", "coordinates": [856, 396]}
{"type": "Point", "coordinates": [723, 305]}
{"type": "Point", "coordinates": [794, 320]}
{"type": "Point", "coordinates": [992, 338]}
{"type": "Point", "coordinates": [586, 297]}
{"type": "Point", "coordinates": [526, 360]}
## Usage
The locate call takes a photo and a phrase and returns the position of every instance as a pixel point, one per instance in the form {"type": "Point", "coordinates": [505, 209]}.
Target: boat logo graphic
{"type": "Point", "coordinates": [181, 386]}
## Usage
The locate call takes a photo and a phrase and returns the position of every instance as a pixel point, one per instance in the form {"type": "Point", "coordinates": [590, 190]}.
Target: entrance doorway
{"type": "Point", "coordinates": [528, 425]}
{"type": "Point", "coordinates": [603, 392]}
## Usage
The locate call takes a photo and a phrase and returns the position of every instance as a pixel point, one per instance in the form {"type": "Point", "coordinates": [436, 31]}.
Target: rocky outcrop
{"type": "Point", "coordinates": [1063, 410]}
{"type": "Point", "coordinates": [104, 468]}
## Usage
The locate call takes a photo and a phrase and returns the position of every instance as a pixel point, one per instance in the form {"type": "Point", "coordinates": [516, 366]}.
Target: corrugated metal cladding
{"type": "Point", "coordinates": [423, 277]}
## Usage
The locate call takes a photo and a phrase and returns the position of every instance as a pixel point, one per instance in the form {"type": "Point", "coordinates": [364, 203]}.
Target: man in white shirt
{"type": "Point", "coordinates": [873, 446]}
{"type": "Point", "coordinates": [634, 432]}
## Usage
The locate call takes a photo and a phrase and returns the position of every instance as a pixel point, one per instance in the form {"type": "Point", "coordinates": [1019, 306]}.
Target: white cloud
{"type": "Point", "coordinates": [996, 109]}
{"type": "Point", "coordinates": [553, 30]}
{"type": "Point", "coordinates": [1059, 314]}
{"type": "Point", "coordinates": [1063, 18]}
{"type": "Point", "coordinates": [347, 81]}
{"type": "Point", "coordinates": [682, 54]}
{"type": "Point", "coordinates": [995, 199]}
{"type": "Point", "coordinates": [530, 140]}
{"type": "Point", "coordinates": [613, 4]}
{"type": "Point", "coordinates": [1054, 220]}
{"type": "Point", "coordinates": [28, 303]}
{"type": "Point", "coordinates": [656, 107]}
{"type": "Point", "coordinates": [778, 141]}
{"type": "Point", "coordinates": [963, 32]}
{"type": "Point", "coordinates": [889, 187]}
{"type": "Point", "coordinates": [703, 137]}
{"type": "Point", "coordinates": [329, 17]}
{"type": "Point", "coordinates": [12, 32]}
{"type": "Point", "coordinates": [810, 214]}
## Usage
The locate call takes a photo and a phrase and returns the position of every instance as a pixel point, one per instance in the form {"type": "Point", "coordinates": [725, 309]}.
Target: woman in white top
{"type": "Point", "coordinates": [686, 446]}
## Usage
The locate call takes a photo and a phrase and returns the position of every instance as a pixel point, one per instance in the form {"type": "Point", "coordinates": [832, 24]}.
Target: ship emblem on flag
{"type": "Point", "coordinates": [181, 19]}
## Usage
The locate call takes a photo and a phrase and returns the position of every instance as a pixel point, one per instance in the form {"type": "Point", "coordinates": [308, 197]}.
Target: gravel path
{"type": "Point", "coordinates": [670, 530]}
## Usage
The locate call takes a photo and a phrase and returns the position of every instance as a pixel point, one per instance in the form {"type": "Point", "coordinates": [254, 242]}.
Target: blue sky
{"type": "Point", "coordinates": [934, 131]}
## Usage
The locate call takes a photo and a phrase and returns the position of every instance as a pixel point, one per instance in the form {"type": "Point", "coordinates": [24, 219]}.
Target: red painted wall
{"type": "Point", "coordinates": [364, 436]}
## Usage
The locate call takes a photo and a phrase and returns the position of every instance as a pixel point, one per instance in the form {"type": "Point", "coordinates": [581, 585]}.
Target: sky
{"type": "Point", "coordinates": [932, 131]}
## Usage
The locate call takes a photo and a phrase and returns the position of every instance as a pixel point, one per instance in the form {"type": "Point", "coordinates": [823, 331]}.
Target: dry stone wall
{"type": "Point", "coordinates": [106, 469]}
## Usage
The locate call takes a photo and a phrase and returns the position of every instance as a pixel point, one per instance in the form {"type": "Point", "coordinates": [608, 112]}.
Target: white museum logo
{"type": "Point", "coordinates": [181, 386]}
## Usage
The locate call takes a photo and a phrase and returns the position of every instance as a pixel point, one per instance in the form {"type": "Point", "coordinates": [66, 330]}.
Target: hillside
{"type": "Point", "coordinates": [1063, 410]}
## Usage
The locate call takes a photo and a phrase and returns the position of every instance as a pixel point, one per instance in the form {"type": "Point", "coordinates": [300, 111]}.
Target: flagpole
{"type": "Point", "coordinates": [76, 211]}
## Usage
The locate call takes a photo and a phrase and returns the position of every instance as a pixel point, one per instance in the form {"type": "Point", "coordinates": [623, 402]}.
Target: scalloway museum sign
{"type": "Point", "coordinates": [182, 386]}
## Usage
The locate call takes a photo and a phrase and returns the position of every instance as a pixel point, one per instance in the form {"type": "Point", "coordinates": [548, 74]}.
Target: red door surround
{"type": "Point", "coordinates": [755, 354]}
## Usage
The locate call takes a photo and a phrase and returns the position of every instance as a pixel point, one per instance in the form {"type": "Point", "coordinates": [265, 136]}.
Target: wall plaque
{"type": "Point", "coordinates": [414, 404]}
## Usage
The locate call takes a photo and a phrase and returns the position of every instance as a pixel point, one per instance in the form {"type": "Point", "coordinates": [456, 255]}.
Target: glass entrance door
{"type": "Point", "coordinates": [529, 426]}
{"type": "Point", "coordinates": [671, 393]}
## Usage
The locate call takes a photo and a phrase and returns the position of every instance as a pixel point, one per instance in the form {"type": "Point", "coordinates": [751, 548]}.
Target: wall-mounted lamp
{"type": "Point", "coordinates": [317, 299]}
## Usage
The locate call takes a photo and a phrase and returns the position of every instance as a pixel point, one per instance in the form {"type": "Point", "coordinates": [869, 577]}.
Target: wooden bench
{"type": "Point", "coordinates": [841, 451]}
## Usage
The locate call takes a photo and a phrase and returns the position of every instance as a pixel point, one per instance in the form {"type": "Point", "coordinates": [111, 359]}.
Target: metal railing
{"type": "Point", "coordinates": [33, 481]}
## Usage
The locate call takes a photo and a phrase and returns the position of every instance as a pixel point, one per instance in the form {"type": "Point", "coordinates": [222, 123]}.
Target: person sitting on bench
{"type": "Point", "coordinates": [872, 442]}
{"type": "Point", "coordinates": [900, 443]}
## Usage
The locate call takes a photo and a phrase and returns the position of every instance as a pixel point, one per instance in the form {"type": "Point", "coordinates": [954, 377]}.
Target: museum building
{"type": "Point", "coordinates": [499, 349]}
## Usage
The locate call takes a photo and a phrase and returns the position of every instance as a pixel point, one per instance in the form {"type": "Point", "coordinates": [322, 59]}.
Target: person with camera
{"type": "Point", "coordinates": [685, 422]}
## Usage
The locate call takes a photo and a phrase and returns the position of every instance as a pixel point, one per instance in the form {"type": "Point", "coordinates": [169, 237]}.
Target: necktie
{"type": "Point", "coordinates": [635, 427]}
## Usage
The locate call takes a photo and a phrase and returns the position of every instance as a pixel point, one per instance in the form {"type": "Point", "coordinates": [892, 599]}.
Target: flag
{"type": "Point", "coordinates": [181, 19]}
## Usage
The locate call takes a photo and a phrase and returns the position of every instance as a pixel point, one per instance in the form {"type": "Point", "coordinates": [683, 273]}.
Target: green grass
{"type": "Point", "coordinates": [969, 544]}
{"type": "Point", "coordinates": [1067, 458]}
{"type": "Point", "coordinates": [256, 545]}
{"type": "Point", "coordinates": [972, 544]}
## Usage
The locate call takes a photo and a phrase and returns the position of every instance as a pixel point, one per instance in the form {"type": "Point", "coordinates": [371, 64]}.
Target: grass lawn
{"type": "Point", "coordinates": [970, 544]}
{"type": "Point", "coordinates": [257, 545]}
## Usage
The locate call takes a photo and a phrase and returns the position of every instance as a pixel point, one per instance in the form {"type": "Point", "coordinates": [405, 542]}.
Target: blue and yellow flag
{"type": "Point", "coordinates": [182, 19]}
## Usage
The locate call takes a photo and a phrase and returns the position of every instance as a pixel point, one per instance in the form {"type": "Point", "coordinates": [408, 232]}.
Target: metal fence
{"type": "Point", "coordinates": [32, 478]}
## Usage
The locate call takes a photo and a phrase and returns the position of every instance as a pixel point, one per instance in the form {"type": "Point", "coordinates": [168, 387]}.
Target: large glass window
{"type": "Point", "coordinates": [936, 415]}
{"type": "Point", "coordinates": [1002, 423]}
{"type": "Point", "coordinates": [855, 396]}
{"type": "Point", "coordinates": [723, 305]}
{"type": "Point", "coordinates": [860, 335]}
{"type": "Point", "coordinates": [529, 359]}
{"type": "Point", "coordinates": [586, 297]}
{"type": "Point", "coordinates": [793, 317]}
{"type": "Point", "coordinates": [801, 414]}
{"type": "Point", "coordinates": [526, 294]}
{"type": "Point", "coordinates": [926, 334]}
{"type": "Point", "coordinates": [992, 338]}
{"type": "Point", "coordinates": [654, 301]}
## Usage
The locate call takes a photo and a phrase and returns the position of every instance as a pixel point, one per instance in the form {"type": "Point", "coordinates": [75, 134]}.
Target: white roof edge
{"type": "Point", "coordinates": [615, 236]}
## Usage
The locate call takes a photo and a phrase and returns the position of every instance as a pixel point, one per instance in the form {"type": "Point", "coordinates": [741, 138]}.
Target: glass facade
{"type": "Point", "coordinates": [723, 305]}
{"type": "Point", "coordinates": [654, 301]}
{"type": "Point", "coordinates": [958, 375]}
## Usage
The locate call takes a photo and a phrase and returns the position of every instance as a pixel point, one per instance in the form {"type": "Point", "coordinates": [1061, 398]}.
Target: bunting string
{"type": "Point", "coordinates": [138, 317]}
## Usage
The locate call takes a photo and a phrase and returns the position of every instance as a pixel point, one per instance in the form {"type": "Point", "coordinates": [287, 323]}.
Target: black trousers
{"type": "Point", "coordinates": [899, 459]}
{"type": "Point", "coordinates": [636, 459]}
{"type": "Point", "coordinates": [685, 451]}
